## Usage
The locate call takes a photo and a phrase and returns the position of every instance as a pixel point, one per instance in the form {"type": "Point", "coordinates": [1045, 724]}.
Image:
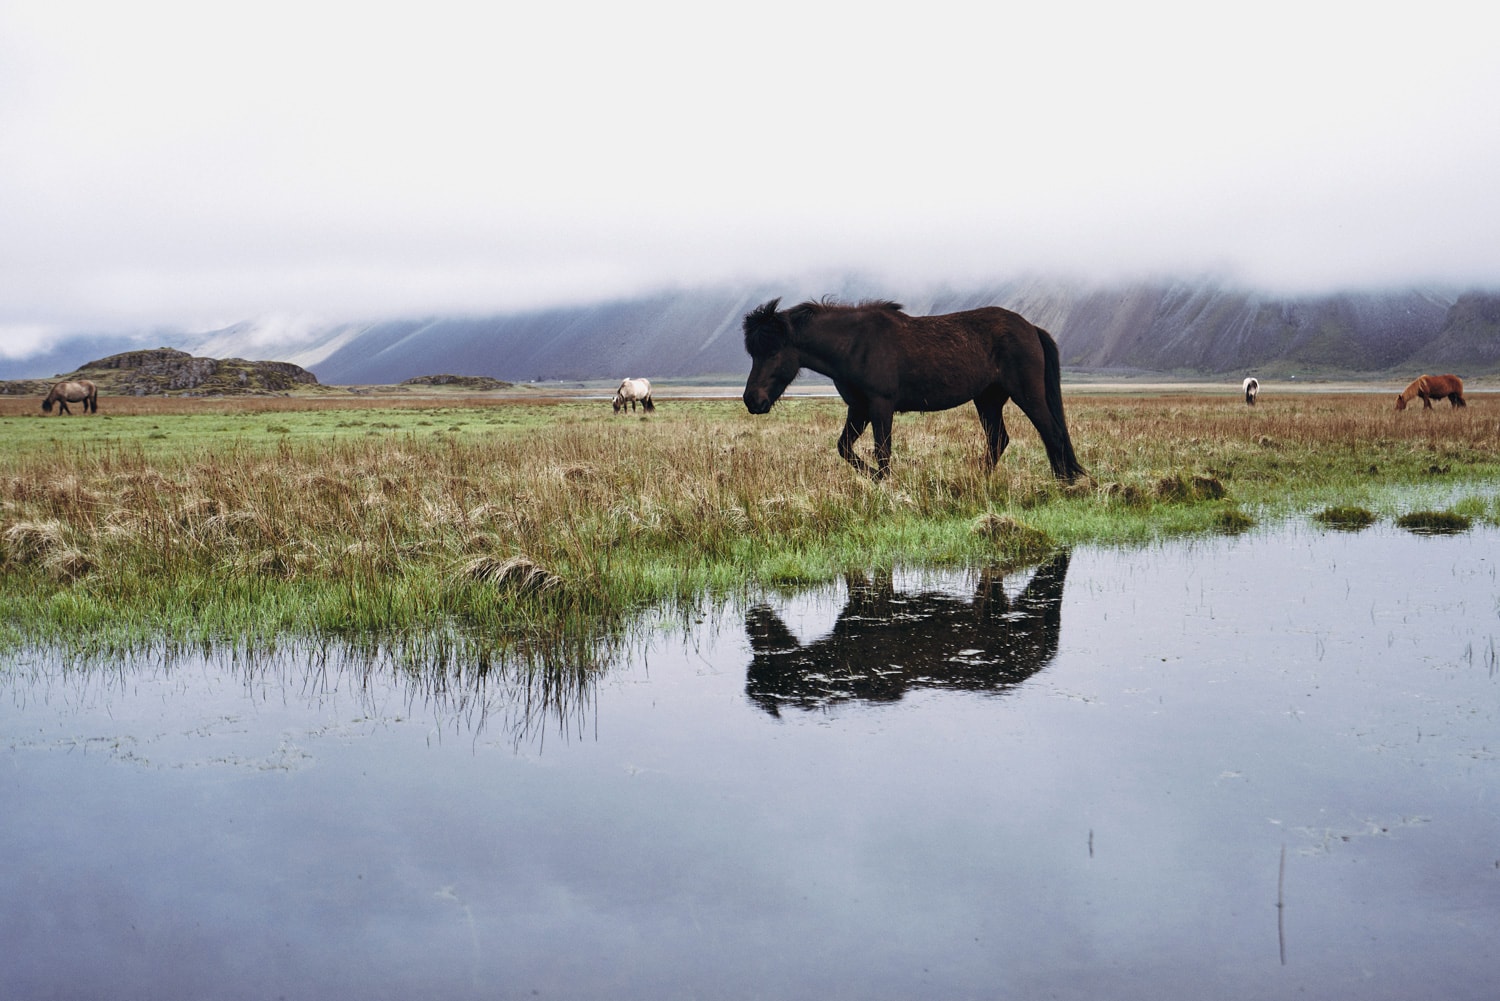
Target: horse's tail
{"type": "Point", "coordinates": [91, 404]}
{"type": "Point", "coordinates": [1052, 372]}
{"type": "Point", "coordinates": [646, 402]}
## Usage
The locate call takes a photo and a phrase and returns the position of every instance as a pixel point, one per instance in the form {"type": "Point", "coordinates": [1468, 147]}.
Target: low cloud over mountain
{"type": "Point", "coordinates": [1181, 328]}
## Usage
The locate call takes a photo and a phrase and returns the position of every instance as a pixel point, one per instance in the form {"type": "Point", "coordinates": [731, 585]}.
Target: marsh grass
{"type": "Point", "coordinates": [1345, 517]}
{"type": "Point", "coordinates": [525, 526]}
{"type": "Point", "coordinates": [1435, 522]}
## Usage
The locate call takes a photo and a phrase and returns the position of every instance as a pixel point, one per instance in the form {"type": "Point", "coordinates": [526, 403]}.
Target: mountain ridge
{"type": "Point", "coordinates": [1175, 328]}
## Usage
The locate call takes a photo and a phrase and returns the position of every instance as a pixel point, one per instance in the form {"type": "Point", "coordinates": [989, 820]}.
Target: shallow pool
{"type": "Point", "coordinates": [1241, 767]}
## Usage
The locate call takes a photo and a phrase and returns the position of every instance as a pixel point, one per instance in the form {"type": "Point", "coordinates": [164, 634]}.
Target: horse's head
{"type": "Point", "coordinates": [774, 361]}
{"type": "Point", "coordinates": [1400, 401]}
{"type": "Point", "coordinates": [47, 405]}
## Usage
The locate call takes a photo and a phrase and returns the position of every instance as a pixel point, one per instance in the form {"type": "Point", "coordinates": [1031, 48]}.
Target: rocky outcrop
{"type": "Point", "coordinates": [163, 371]}
{"type": "Point", "coordinates": [479, 382]}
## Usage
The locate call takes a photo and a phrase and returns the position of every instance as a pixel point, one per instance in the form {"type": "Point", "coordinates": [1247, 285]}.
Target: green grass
{"type": "Point", "coordinates": [494, 528]}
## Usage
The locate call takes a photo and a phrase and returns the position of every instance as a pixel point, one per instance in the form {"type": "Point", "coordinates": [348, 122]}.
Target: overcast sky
{"type": "Point", "coordinates": [194, 164]}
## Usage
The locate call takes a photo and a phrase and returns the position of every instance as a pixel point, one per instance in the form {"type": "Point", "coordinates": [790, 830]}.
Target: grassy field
{"type": "Point", "coordinates": [473, 526]}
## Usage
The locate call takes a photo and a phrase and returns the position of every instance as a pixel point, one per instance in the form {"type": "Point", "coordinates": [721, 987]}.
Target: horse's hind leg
{"type": "Point", "coordinates": [1054, 438]}
{"type": "Point", "coordinates": [991, 406]}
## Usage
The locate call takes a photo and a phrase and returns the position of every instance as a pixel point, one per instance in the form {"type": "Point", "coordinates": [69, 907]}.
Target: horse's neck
{"type": "Point", "coordinates": [826, 344]}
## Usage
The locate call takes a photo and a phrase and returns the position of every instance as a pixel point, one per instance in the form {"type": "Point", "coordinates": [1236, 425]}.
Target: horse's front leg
{"type": "Point", "coordinates": [881, 419]}
{"type": "Point", "coordinates": [854, 426]}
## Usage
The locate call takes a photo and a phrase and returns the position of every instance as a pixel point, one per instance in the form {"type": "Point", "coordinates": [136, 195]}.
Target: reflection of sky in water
{"type": "Point", "coordinates": [1110, 825]}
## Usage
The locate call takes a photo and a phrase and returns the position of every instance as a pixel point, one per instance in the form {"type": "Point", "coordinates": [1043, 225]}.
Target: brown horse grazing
{"type": "Point", "coordinates": [883, 362]}
{"type": "Point", "coordinates": [78, 391]}
{"type": "Point", "coordinates": [1433, 387]}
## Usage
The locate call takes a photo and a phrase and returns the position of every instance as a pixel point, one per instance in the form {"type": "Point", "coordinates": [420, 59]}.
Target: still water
{"type": "Point", "coordinates": [1236, 768]}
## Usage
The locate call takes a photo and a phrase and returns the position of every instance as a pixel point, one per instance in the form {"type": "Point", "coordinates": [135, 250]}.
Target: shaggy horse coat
{"type": "Point", "coordinates": [1433, 387]}
{"type": "Point", "coordinates": [632, 390]}
{"type": "Point", "coordinates": [78, 391]}
{"type": "Point", "coordinates": [884, 362]}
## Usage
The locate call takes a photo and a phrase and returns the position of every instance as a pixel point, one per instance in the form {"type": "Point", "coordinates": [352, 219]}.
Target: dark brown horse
{"type": "Point", "coordinates": [1433, 387]}
{"type": "Point", "coordinates": [77, 391]}
{"type": "Point", "coordinates": [883, 362]}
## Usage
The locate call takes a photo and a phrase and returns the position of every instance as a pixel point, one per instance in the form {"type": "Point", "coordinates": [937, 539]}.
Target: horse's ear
{"type": "Point", "coordinates": [765, 329]}
{"type": "Point", "coordinates": [764, 311]}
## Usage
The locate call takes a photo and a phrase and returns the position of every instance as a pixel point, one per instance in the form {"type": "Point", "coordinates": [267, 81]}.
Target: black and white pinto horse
{"type": "Point", "coordinates": [634, 391]}
{"type": "Point", "coordinates": [1252, 390]}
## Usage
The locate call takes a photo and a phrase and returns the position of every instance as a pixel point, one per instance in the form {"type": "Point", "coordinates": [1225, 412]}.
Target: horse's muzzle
{"type": "Point", "coordinates": [757, 403]}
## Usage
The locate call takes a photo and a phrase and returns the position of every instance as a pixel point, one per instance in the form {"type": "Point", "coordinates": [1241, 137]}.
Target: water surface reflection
{"type": "Point", "coordinates": [1113, 826]}
{"type": "Point", "coordinates": [887, 642]}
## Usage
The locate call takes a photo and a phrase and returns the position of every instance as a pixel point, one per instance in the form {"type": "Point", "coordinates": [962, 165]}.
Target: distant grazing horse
{"type": "Point", "coordinates": [78, 391]}
{"type": "Point", "coordinates": [1252, 390]}
{"type": "Point", "coordinates": [1433, 387]}
{"type": "Point", "coordinates": [883, 362]}
{"type": "Point", "coordinates": [632, 390]}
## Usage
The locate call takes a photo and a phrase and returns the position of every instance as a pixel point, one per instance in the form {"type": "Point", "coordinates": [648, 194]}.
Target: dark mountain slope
{"type": "Point", "coordinates": [663, 336]}
{"type": "Point", "coordinates": [1168, 327]}
{"type": "Point", "coordinates": [1469, 341]}
{"type": "Point", "coordinates": [1186, 328]}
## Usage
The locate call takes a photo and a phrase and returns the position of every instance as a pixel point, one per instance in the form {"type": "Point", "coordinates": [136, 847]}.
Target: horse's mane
{"type": "Point", "coordinates": [766, 329]}
{"type": "Point", "coordinates": [830, 305]}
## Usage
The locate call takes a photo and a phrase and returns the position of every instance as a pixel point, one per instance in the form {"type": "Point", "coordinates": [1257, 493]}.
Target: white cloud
{"type": "Point", "coordinates": [187, 163]}
{"type": "Point", "coordinates": [18, 341]}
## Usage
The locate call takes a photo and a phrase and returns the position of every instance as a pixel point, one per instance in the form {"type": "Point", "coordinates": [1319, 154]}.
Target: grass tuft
{"type": "Point", "coordinates": [1435, 522]}
{"type": "Point", "coordinates": [517, 573]}
{"type": "Point", "coordinates": [1013, 538]}
{"type": "Point", "coordinates": [1233, 521]}
{"type": "Point", "coordinates": [1345, 518]}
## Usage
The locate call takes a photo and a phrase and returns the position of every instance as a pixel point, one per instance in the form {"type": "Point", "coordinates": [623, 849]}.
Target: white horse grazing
{"type": "Point", "coordinates": [632, 391]}
{"type": "Point", "coordinates": [1252, 390]}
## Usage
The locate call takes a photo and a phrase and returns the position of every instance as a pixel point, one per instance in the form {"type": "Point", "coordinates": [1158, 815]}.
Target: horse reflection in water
{"type": "Point", "coordinates": [885, 643]}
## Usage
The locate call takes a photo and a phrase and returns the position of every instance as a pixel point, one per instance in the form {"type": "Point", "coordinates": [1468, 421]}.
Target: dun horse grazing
{"type": "Point", "coordinates": [631, 391]}
{"type": "Point", "coordinates": [1433, 387]}
{"type": "Point", "coordinates": [883, 362]}
{"type": "Point", "coordinates": [79, 391]}
{"type": "Point", "coordinates": [1252, 390]}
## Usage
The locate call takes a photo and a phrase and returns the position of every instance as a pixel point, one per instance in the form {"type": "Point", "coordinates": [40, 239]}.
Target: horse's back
{"type": "Point", "coordinates": [944, 360]}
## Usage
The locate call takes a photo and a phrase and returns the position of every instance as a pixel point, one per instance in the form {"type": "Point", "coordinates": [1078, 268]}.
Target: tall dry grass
{"type": "Point", "coordinates": [579, 518]}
